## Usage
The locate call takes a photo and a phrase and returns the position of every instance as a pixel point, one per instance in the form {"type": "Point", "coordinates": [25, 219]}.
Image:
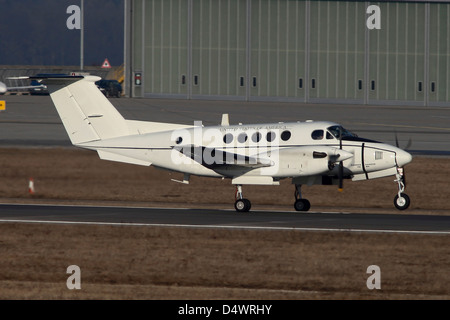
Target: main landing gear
{"type": "Point", "coordinates": [241, 204]}
{"type": "Point", "coordinates": [244, 205]}
{"type": "Point", "coordinates": [300, 204]}
{"type": "Point", "coordinates": [401, 200]}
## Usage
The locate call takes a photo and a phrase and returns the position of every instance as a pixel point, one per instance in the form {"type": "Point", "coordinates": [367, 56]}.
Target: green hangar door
{"type": "Point", "coordinates": [219, 37]}
{"type": "Point", "coordinates": [439, 55]}
{"type": "Point", "coordinates": [163, 30]}
{"type": "Point", "coordinates": [337, 51]}
{"type": "Point", "coordinates": [397, 55]}
{"type": "Point", "coordinates": [278, 50]}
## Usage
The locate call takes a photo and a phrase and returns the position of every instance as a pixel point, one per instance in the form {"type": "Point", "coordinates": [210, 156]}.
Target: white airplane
{"type": "Point", "coordinates": [310, 152]}
{"type": "Point", "coordinates": [4, 88]}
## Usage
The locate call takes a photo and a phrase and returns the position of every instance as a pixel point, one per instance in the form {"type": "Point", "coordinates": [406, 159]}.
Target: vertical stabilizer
{"type": "Point", "coordinates": [86, 113]}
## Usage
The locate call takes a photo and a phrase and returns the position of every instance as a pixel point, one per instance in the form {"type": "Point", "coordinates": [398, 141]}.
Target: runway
{"type": "Point", "coordinates": [205, 218]}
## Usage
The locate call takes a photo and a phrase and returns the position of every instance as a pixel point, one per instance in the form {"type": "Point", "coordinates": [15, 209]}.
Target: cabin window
{"type": "Point", "coordinates": [242, 137]}
{"type": "Point", "coordinates": [317, 135]}
{"type": "Point", "coordinates": [256, 137]}
{"type": "Point", "coordinates": [270, 136]}
{"type": "Point", "coordinates": [228, 138]}
{"type": "Point", "coordinates": [285, 135]}
{"type": "Point", "coordinates": [179, 140]}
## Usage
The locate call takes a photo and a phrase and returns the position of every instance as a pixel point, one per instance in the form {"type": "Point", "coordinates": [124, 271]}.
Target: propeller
{"type": "Point", "coordinates": [341, 165]}
{"type": "Point", "coordinates": [408, 145]}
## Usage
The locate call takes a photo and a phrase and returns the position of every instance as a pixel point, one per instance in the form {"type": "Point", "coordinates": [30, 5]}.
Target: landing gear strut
{"type": "Point", "coordinates": [241, 204]}
{"type": "Point", "coordinates": [300, 204]}
{"type": "Point", "coordinates": [401, 200]}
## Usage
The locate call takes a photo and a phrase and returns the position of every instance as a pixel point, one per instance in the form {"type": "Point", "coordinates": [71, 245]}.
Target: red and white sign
{"type": "Point", "coordinates": [106, 64]}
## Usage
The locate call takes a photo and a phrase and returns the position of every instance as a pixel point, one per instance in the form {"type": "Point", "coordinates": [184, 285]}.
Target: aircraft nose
{"type": "Point", "coordinates": [402, 157]}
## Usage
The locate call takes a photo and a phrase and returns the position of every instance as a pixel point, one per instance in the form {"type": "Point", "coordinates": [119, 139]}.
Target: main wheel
{"type": "Point", "coordinates": [302, 205]}
{"type": "Point", "coordinates": [242, 205]}
{"type": "Point", "coordinates": [402, 202]}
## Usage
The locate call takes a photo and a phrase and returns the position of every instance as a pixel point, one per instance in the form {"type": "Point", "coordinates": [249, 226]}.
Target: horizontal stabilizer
{"type": "Point", "coordinates": [105, 155]}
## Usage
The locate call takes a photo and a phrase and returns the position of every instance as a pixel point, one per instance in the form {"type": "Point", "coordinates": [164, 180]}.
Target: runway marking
{"type": "Point", "coordinates": [131, 224]}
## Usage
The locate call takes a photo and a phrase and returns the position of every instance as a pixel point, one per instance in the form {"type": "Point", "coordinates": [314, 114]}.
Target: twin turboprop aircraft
{"type": "Point", "coordinates": [309, 153]}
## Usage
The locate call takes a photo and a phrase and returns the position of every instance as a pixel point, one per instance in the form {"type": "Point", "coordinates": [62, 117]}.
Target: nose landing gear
{"type": "Point", "coordinates": [401, 200]}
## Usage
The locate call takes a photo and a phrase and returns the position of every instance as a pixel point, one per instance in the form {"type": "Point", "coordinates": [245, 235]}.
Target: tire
{"type": "Point", "coordinates": [248, 203]}
{"type": "Point", "coordinates": [302, 205]}
{"type": "Point", "coordinates": [402, 202]}
{"type": "Point", "coordinates": [242, 205]}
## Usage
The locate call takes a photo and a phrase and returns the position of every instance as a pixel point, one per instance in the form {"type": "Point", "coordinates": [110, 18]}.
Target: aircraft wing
{"type": "Point", "coordinates": [213, 158]}
{"type": "Point", "coordinates": [4, 88]}
{"type": "Point", "coordinates": [25, 87]}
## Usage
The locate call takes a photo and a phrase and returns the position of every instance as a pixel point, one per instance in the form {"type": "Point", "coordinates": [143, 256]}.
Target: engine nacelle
{"type": "Point", "coordinates": [307, 160]}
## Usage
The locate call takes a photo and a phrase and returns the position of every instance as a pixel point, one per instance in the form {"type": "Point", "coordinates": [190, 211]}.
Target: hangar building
{"type": "Point", "coordinates": [397, 53]}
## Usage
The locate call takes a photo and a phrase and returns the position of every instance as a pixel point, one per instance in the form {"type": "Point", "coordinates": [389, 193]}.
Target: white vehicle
{"type": "Point", "coordinates": [308, 152]}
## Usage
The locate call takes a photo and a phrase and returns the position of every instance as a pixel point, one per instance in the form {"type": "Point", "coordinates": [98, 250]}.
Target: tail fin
{"type": "Point", "coordinates": [87, 115]}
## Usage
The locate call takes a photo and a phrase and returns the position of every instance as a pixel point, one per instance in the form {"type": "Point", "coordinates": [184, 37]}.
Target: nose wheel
{"type": "Point", "coordinates": [241, 204]}
{"type": "Point", "coordinates": [401, 200]}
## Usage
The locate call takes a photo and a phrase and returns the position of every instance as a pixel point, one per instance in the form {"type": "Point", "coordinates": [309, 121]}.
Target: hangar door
{"type": "Point", "coordinates": [219, 38]}
{"type": "Point", "coordinates": [397, 55]}
{"type": "Point", "coordinates": [337, 50]}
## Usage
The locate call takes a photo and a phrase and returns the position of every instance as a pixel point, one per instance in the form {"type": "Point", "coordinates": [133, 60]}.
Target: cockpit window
{"type": "Point", "coordinates": [336, 131]}
{"type": "Point", "coordinates": [317, 135]}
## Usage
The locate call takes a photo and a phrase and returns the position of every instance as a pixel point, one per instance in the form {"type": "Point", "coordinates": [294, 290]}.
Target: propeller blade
{"type": "Point", "coordinates": [341, 176]}
{"type": "Point", "coordinates": [341, 165]}
{"type": "Point", "coordinates": [408, 145]}
{"type": "Point", "coordinates": [404, 177]}
{"type": "Point", "coordinates": [397, 144]}
{"type": "Point", "coordinates": [396, 140]}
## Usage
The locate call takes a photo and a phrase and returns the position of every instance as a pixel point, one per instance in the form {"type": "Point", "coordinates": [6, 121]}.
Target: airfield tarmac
{"type": "Point", "coordinates": [183, 260]}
